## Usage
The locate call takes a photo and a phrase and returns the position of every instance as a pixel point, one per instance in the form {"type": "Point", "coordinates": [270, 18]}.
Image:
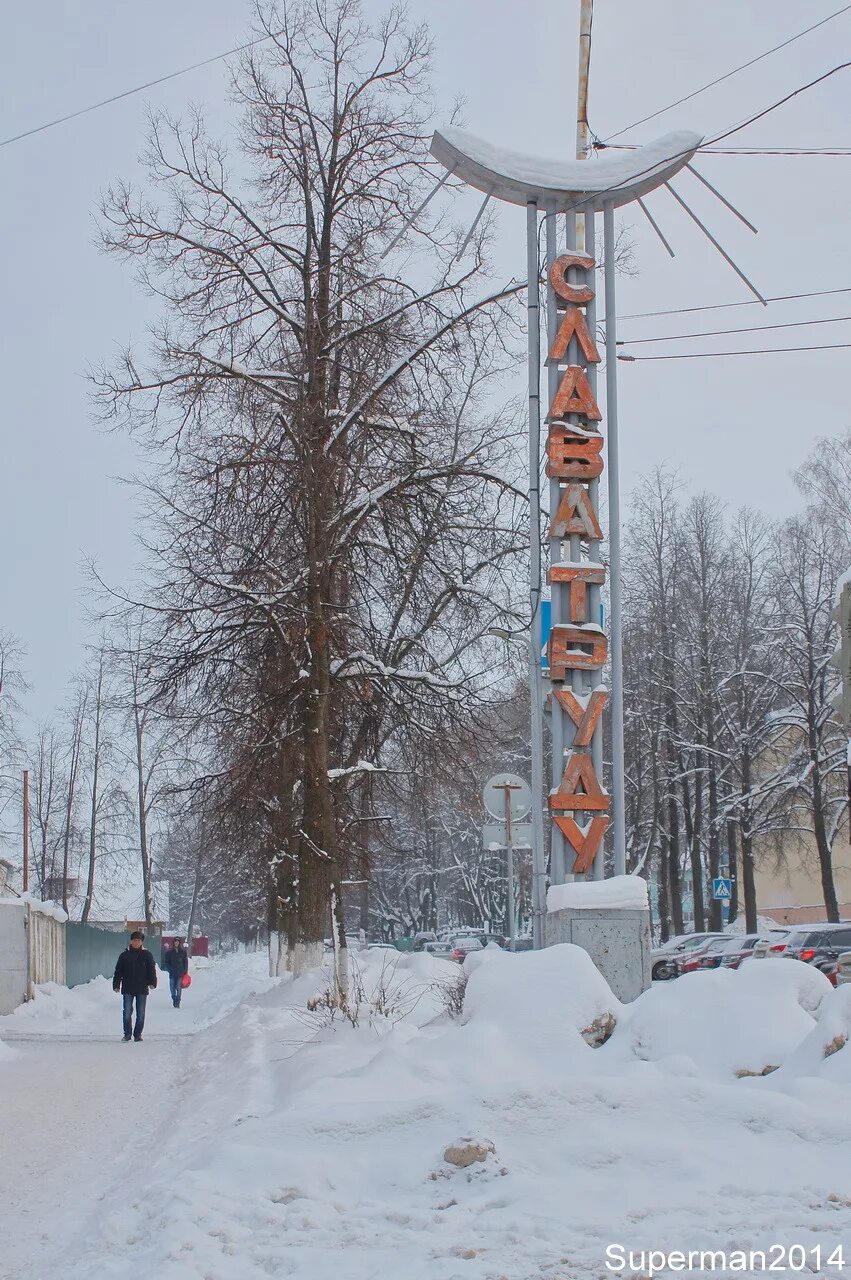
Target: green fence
{"type": "Point", "coordinates": [90, 952]}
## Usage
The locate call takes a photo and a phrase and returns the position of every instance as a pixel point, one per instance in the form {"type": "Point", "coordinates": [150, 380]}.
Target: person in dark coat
{"type": "Point", "coordinates": [177, 964]}
{"type": "Point", "coordinates": [135, 975]}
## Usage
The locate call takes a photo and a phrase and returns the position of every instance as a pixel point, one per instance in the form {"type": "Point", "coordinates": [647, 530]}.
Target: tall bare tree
{"type": "Point", "coordinates": [338, 526]}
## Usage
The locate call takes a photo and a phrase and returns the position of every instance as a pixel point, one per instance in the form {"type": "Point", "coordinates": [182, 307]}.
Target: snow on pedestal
{"type": "Point", "coordinates": [610, 919]}
{"type": "Point", "coordinates": [620, 893]}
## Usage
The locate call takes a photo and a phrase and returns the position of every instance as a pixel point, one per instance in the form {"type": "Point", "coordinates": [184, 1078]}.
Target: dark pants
{"type": "Point", "coordinates": [127, 1002]}
{"type": "Point", "coordinates": [176, 989]}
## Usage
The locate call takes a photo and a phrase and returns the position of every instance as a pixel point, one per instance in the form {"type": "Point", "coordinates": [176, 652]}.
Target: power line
{"type": "Point", "coordinates": [723, 306]}
{"type": "Point", "coordinates": [775, 151]}
{"type": "Point", "coordinates": [722, 333]}
{"type": "Point", "coordinates": [128, 93]}
{"type": "Point", "coordinates": [728, 133]}
{"type": "Point", "coordinates": [762, 351]}
{"type": "Point", "coordinates": [747, 151]}
{"type": "Point", "coordinates": [743, 67]}
{"type": "Point", "coordinates": [743, 124]}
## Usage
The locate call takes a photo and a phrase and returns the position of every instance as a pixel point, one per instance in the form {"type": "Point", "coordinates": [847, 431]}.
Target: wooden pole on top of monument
{"type": "Point", "coordinates": [583, 133]}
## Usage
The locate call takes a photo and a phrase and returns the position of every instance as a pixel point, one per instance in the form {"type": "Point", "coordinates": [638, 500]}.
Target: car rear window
{"type": "Point", "coordinates": [806, 938]}
{"type": "Point", "coordinates": [837, 938]}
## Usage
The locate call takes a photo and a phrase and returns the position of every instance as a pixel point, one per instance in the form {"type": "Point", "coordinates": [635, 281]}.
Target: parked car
{"type": "Point", "coordinates": [707, 956]}
{"type": "Point", "coordinates": [424, 936]}
{"type": "Point", "coordinates": [725, 952]}
{"type": "Point", "coordinates": [665, 960]}
{"type": "Point", "coordinates": [462, 947]}
{"type": "Point", "coordinates": [443, 949]}
{"type": "Point", "coordinates": [820, 945]}
{"type": "Point", "coordinates": [741, 948]}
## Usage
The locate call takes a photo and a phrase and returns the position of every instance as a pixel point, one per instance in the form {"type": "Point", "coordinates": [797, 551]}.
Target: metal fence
{"type": "Point", "coordinates": [90, 952]}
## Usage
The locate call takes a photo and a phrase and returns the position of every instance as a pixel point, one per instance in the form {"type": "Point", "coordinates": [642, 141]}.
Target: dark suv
{"type": "Point", "coordinates": [819, 944]}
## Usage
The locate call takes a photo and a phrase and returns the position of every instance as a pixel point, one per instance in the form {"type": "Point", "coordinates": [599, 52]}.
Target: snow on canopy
{"type": "Point", "coordinates": [518, 178]}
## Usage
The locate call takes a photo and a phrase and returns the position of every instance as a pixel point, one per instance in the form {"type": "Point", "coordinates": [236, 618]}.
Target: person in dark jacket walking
{"type": "Point", "coordinates": [135, 975]}
{"type": "Point", "coordinates": [177, 964]}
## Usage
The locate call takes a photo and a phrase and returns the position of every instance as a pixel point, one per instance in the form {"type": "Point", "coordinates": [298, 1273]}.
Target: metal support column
{"type": "Point", "coordinates": [536, 693]}
{"type": "Point", "coordinates": [562, 727]}
{"type": "Point", "coordinates": [595, 554]}
{"type": "Point", "coordinates": [615, 580]}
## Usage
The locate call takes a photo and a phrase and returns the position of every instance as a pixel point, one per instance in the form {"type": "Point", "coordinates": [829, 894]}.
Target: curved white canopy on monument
{"type": "Point", "coordinates": [519, 179]}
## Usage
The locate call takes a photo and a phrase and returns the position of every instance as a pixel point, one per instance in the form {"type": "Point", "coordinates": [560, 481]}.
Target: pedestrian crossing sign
{"type": "Point", "coordinates": [722, 888]}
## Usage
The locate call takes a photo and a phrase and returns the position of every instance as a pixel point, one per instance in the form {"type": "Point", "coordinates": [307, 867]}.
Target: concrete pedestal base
{"type": "Point", "coordinates": [617, 940]}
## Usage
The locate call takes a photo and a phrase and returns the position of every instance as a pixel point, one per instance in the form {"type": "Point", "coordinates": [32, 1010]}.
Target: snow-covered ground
{"type": "Point", "coordinates": [94, 1010]}
{"type": "Point", "coordinates": [277, 1143]}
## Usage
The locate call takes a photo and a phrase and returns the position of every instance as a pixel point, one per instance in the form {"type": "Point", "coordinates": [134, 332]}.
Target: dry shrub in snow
{"type": "Point", "coordinates": [378, 996]}
{"type": "Point", "coordinates": [451, 993]}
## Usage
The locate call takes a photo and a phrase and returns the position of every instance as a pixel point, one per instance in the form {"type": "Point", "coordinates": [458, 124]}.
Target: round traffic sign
{"type": "Point", "coordinates": [502, 784]}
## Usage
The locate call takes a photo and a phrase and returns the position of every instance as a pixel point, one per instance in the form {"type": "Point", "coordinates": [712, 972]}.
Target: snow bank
{"type": "Point", "coordinates": [726, 1023]}
{"type": "Point", "coordinates": [618, 893]}
{"type": "Point", "coordinates": [824, 1052]}
{"type": "Point", "coordinates": [539, 995]}
{"type": "Point", "coordinates": [802, 982]}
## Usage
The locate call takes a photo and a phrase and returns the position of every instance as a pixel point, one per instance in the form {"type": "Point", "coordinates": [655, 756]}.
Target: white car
{"type": "Point", "coordinates": [443, 949]}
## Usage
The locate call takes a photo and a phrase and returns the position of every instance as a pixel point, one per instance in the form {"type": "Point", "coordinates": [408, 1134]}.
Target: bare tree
{"type": "Point", "coordinates": [338, 525]}
{"type": "Point", "coordinates": [755, 798]}
{"type": "Point", "coordinates": [808, 563]}
{"type": "Point", "coordinates": [46, 788]}
{"type": "Point", "coordinates": [12, 686]}
{"type": "Point", "coordinates": [77, 719]}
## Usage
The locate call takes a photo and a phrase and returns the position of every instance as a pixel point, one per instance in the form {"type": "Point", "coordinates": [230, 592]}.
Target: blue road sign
{"type": "Point", "coordinates": [722, 889]}
{"type": "Point", "coordinates": [546, 610]}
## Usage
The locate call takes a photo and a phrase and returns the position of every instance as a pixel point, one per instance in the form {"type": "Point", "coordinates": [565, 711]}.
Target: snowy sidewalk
{"type": "Point", "coordinates": [84, 1117]}
{"type": "Point", "coordinates": [77, 1120]}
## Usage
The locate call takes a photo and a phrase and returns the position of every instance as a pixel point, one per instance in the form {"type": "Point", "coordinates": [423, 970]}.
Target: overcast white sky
{"type": "Point", "coordinates": [735, 426]}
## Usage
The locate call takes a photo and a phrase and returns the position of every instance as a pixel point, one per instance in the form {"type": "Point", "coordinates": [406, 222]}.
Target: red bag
{"type": "Point", "coordinates": [186, 981]}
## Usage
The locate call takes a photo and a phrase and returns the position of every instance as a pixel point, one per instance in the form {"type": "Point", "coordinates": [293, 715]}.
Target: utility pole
{"type": "Point", "coordinates": [26, 826]}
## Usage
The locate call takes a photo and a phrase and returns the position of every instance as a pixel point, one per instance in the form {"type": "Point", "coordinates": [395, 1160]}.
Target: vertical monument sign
{"type": "Point", "coordinates": [578, 648]}
{"type": "Point", "coordinates": [579, 806]}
